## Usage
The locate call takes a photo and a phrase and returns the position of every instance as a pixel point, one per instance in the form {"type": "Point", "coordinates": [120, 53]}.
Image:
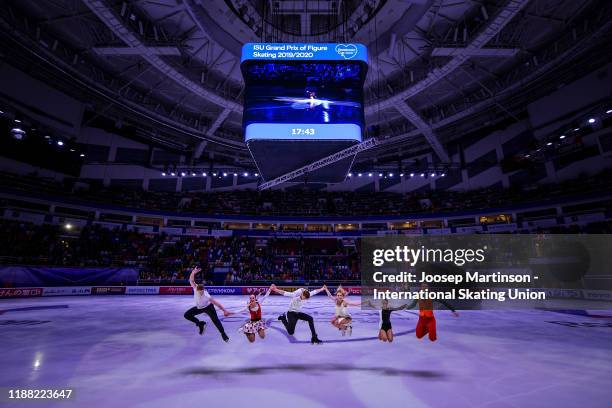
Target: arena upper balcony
{"type": "Point", "coordinates": [575, 207]}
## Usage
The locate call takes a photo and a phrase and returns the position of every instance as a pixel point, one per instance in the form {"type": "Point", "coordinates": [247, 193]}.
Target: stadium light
{"type": "Point", "coordinates": [68, 226]}
{"type": "Point", "coordinates": [173, 174]}
{"type": "Point", "coordinates": [576, 129]}
{"type": "Point", "coordinates": [182, 174]}
{"type": "Point", "coordinates": [204, 174]}
{"type": "Point", "coordinates": [163, 174]}
{"type": "Point", "coordinates": [401, 174]}
{"type": "Point", "coordinates": [214, 174]}
{"type": "Point", "coordinates": [18, 133]}
{"type": "Point", "coordinates": [60, 143]}
{"type": "Point", "coordinates": [609, 111]}
{"type": "Point", "coordinates": [256, 174]}
{"type": "Point", "coordinates": [549, 144]}
{"type": "Point", "coordinates": [246, 174]}
{"type": "Point", "coordinates": [411, 174]}
{"type": "Point", "coordinates": [433, 174]}
{"type": "Point", "coordinates": [82, 155]}
{"type": "Point", "coordinates": [562, 137]}
{"type": "Point", "coordinates": [17, 121]}
{"type": "Point", "coordinates": [224, 174]}
{"type": "Point", "coordinates": [592, 120]}
{"type": "Point", "coordinates": [193, 173]}
{"type": "Point", "coordinates": [359, 174]}
{"type": "Point", "coordinates": [350, 174]}
{"type": "Point", "coordinates": [47, 137]}
{"type": "Point", "coordinates": [422, 174]}
{"type": "Point", "coordinates": [390, 174]}
{"type": "Point", "coordinates": [235, 174]}
{"type": "Point", "coordinates": [443, 175]}
{"type": "Point", "coordinates": [380, 174]}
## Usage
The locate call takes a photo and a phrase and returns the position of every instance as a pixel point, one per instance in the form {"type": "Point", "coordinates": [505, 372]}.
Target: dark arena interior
{"type": "Point", "coordinates": [306, 203]}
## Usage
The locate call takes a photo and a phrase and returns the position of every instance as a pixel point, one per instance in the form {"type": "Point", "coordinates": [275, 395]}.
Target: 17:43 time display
{"type": "Point", "coordinates": [302, 131]}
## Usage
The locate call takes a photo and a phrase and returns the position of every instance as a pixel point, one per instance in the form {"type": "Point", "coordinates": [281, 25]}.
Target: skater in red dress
{"type": "Point", "coordinates": [427, 320]}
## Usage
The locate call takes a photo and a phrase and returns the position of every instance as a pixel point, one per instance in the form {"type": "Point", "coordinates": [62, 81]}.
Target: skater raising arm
{"type": "Point", "coordinates": [192, 277]}
{"type": "Point", "coordinates": [204, 303]}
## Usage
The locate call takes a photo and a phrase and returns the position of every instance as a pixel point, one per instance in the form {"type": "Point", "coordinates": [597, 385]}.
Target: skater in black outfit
{"type": "Point", "coordinates": [294, 314]}
{"type": "Point", "coordinates": [204, 304]}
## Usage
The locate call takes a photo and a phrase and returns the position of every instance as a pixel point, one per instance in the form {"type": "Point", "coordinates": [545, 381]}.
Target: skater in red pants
{"type": "Point", "coordinates": [427, 320]}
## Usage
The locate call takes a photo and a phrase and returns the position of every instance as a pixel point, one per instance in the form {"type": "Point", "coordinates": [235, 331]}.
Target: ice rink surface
{"type": "Point", "coordinates": [120, 351]}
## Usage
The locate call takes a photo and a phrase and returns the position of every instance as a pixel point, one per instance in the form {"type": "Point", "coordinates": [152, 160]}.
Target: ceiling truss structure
{"type": "Point", "coordinates": [420, 70]}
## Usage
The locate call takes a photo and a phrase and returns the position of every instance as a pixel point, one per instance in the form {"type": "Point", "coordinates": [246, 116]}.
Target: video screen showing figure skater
{"type": "Point", "coordinates": [304, 93]}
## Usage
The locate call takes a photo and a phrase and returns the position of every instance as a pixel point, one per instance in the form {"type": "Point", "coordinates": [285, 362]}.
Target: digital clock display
{"type": "Point", "coordinates": [303, 131]}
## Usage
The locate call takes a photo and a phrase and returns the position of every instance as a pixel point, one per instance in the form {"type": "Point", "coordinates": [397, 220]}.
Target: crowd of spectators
{"type": "Point", "coordinates": [305, 202]}
{"type": "Point", "coordinates": [163, 258]}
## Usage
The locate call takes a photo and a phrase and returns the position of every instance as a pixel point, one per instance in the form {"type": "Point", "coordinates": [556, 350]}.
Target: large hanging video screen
{"type": "Point", "coordinates": [303, 91]}
{"type": "Point", "coordinates": [302, 102]}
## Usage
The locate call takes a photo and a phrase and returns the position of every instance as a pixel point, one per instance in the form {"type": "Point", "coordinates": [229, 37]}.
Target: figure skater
{"type": "Point", "coordinates": [255, 323]}
{"type": "Point", "coordinates": [342, 318]}
{"type": "Point", "coordinates": [427, 320]}
{"type": "Point", "coordinates": [204, 304]}
{"type": "Point", "coordinates": [385, 329]}
{"type": "Point", "coordinates": [290, 318]}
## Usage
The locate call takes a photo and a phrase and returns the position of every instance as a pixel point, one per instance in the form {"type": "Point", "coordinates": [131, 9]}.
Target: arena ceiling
{"type": "Point", "coordinates": [438, 68]}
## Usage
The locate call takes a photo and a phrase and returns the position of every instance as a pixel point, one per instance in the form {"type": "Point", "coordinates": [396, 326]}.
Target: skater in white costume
{"type": "Point", "coordinates": [289, 319]}
{"type": "Point", "coordinates": [342, 318]}
{"type": "Point", "coordinates": [204, 304]}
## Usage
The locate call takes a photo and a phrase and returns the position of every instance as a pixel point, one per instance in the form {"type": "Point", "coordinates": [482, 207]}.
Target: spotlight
{"type": "Point", "coordinates": [246, 174]}
{"type": "Point", "coordinates": [1, 112]}
{"type": "Point", "coordinates": [82, 155]}
{"type": "Point", "coordinates": [422, 174]}
{"type": "Point", "coordinates": [549, 144]}
{"type": "Point", "coordinates": [47, 137]}
{"type": "Point", "coordinates": [256, 174]}
{"type": "Point", "coordinates": [411, 174]}
{"type": "Point", "coordinates": [204, 174]}
{"type": "Point", "coordinates": [350, 174]}
{"type": "Point", "coordinates": [17, 121]}
{"type": "Point", "coordinates": [163, 173]}
{"type": "Point", "coordinates": [609, 111]}
{"type": "Point", "coordinates": [224, 174]}
{"type": "Point", "coordinates": [60, 143]}
{"type": "Point", "coordinates": [173, 174]}
{"type": "Point", "coordinates": [527, 156]}
{"type": "Point", "coordinates": [193, 173]}
{"type": "Point", "coordinates": [214, 174]}
{"type": "Point", "coordinates": [443, 175]}
{"type": "Point", "coordinates": [390, 174]}
{"type": "Point", "coordinates": [562, 137]}
{"type": "Point", "coordinates": [433, 174]}
{"type": "Point", "coordinates": [576, 129]}
{"type": "Point", "coordinates": [68, 226]}
{"type": "Point", "coordinates": [359, 174]}
{"type": "Point", "coordinates": [401, 174]}
{"type": "Point", "coordinates": [380, 174]}
{"type": "Point", "coordinates": [18, 133]}
{"type": "Point", "coordinates": [369, 174]}
{"type": "Point", "coordinates": [235, 174]}
{"type": "Point", "coordinates": [592, 120]}
{"type": "Point", "coordinates": [72, 150]}
{"type": "Point", "coordinates": [182, 174]}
